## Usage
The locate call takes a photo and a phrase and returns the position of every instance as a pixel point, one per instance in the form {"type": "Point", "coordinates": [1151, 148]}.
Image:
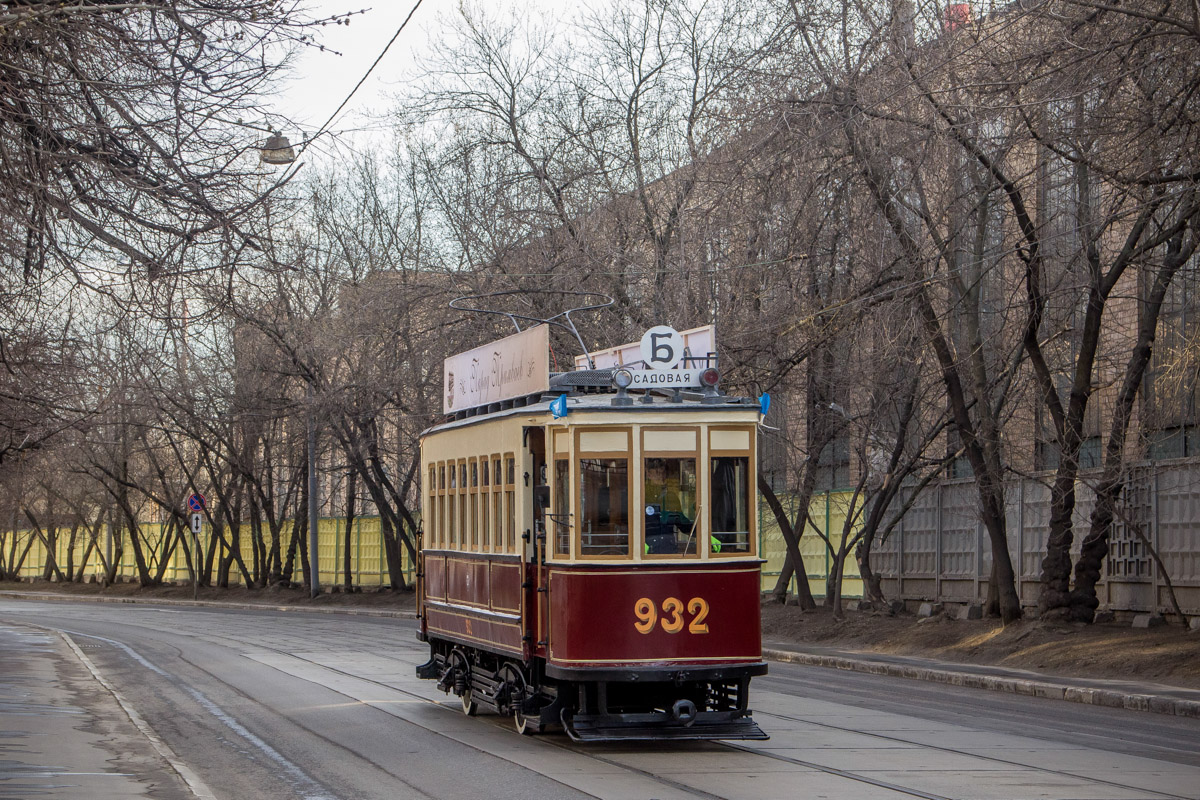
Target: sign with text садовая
{"type": "Point", "coordinates": [514, 366]}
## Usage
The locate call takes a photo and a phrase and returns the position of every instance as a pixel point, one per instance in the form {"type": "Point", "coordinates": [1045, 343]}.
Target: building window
{"type": "Point", "coordinates": [833, 466]}
{"type": "Point", "coordinates": [1170, 396]}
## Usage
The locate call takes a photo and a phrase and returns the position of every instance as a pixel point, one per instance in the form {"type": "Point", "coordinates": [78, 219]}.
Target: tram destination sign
{"type": "Point", "coordinates": [514, 366]}
{"type": "Point", "coordinates": [665, 378]}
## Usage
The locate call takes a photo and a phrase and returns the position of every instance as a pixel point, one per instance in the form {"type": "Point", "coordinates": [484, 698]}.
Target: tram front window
{"type": "Point", "coordinates": [730, 505]}
{"type": "Point", "coordinates": [604, 506]}
{"type": "Point", "coordinates": [670, 513]}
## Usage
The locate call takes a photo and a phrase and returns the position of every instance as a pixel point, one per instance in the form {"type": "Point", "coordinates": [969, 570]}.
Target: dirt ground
{"type": "Point", "coordinates": [1167, 654]}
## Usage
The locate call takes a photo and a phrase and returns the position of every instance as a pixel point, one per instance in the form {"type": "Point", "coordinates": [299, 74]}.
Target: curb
{"type": "Point", "coordinates": [199, 789]}
{"type": "Point", "coordinates": [71, 598]}
{"type": "Point", "coordinates": [1108, 698]}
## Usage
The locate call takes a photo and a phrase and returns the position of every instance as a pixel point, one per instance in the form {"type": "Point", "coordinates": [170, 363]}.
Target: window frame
{"type": "Point", "coordinates": [701, 522]}
{"type": "Point", "coordinates": [577, 455]}
{"type": "Point", "coordinates": [510, 497]}
{"type": "Point", "coordinates": [751, 488]}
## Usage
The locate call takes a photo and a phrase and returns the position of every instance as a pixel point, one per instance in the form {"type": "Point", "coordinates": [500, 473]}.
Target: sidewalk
{"type": "Point", "coordinates": [1155, 698]}
{"type": "Point", "coordinates": [63, 734]}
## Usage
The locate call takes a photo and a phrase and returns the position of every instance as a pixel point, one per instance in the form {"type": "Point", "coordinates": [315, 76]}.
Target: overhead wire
{"type": "Point", "coordinates": [325, 126]}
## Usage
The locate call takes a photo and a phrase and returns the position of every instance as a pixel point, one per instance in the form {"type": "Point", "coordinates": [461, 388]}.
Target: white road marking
{"type": "Point", "coordinates": [198, 787]}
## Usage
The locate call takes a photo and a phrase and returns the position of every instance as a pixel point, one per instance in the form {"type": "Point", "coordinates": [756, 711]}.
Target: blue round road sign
{"type": "Point", "coordinates": [195, 502]}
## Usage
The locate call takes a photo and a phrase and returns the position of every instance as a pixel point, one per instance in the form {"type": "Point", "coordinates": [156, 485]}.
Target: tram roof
{"type": "Point", "coordinates": [594, 403]}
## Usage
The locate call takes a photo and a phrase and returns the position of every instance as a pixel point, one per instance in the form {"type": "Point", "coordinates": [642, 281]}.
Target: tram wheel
{"type": "Point", "coordinates": [525, 724]}
{"type": "Point", "coordinates": [469, 706]}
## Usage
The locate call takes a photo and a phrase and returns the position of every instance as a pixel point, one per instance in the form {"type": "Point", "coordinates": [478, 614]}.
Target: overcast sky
{"type": "Point", "coordinates": [323, 79]}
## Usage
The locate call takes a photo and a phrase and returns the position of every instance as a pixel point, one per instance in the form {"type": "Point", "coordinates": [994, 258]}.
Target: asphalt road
{"type": "Point", "coordinates": [261, 703]}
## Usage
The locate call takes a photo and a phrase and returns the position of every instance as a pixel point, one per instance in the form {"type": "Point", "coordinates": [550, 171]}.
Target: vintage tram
{"type": "Point", "coordinates": [588, 556]}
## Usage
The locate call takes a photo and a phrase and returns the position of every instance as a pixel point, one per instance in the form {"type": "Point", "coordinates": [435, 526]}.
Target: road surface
{"type": "Point", "coordinates": [296, 705]}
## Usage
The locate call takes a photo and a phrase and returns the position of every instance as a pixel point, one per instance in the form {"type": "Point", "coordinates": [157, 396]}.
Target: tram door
{"type": "Point", "coordinates": [536, 599]}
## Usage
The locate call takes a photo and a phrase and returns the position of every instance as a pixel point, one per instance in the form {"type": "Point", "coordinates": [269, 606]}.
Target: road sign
{"type": "Point", "coordinates": [197, 523]}
{"type": "Point", "coordinates": [195, 502]}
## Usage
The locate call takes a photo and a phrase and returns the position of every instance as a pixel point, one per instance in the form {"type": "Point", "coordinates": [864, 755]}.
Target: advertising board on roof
{"type": "Point", "coordinates": [514, 366]}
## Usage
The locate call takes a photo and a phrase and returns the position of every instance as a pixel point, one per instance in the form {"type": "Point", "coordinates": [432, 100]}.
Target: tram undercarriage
{"type": "Point", "coordinates": [651, 703]}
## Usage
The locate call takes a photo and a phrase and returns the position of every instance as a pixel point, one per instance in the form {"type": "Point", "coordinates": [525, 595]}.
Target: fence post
{"type": "Point", "coordinates": [1154, 576]}
{"type": "Point", "coordinates": [1020, 535]}
{"type": "Point", "coordinates": [900, 553]}
{"type": "Point", "coordinates": [937, 547]}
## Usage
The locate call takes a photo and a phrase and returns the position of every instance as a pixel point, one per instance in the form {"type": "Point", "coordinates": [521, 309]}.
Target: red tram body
{"type": "Point", "coordinates": [595, 570]}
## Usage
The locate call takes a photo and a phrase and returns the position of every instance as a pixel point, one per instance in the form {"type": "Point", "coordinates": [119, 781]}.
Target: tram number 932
{"type": "Point", "coordinates": [672, 619]}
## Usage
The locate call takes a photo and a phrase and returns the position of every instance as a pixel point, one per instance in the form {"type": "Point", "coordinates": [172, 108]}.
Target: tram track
{"type": "Point", "coordinates": [899, 740]}
{"type": "Point", "coordinates": [560, 743]}
{"type": "Point", "coordinates": [234, 645]}
{"type": "Point", "coordinates": [929, 702]}
{"type": "Point", "coordinates": [568, 746]}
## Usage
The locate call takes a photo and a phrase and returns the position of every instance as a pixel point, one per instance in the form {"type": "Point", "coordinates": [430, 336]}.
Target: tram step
{"type": "Point", "coordinates": [614, 728]}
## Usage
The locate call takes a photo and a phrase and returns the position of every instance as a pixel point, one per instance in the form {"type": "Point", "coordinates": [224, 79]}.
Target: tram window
{"type": "Point", "coordinates": [561, 519]}
{"type": "Point", "coordinates": [430, 524]}
{"type": "Point", "coordinates": [451, 501]}
{"type": "Point", "coordinates": [483, 472]}
{"type": "Point", "coordinates": [604, 506]}
{"type": "Point", "coordinates": [471, 520]}
{"type": "Point", "coordinates": [510, 482]}
{"type": "Point", "coordinates": [730, 505]}
{"type": "Point", "coordinates": [485, 533]}
{"type": "Point", "coordinates": [497, 523]}
{"type": "Point", "coordinates": [463, 522]}
{"type": "Point", "coordinates": [670, 507]}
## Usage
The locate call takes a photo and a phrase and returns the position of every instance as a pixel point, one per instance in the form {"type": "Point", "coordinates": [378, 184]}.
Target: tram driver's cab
{"type": "Point", "coordinates": [649, 491]}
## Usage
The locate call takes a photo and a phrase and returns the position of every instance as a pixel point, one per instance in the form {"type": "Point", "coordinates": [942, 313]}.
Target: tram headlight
{"type": "Point", "coordinates": [709, 378]}
{"type": "Point", "coordinates": [623, 379]}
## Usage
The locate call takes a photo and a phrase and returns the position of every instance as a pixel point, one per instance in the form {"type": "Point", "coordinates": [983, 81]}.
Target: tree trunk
{"type": "Point", "coordinates": [803, 593]}
{"type": "Point", "coordinates": [1083, 600]}
{"type": "Point", "coordinates": [351, 497]}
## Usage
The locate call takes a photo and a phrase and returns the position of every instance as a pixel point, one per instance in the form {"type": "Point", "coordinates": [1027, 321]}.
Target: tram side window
{"type": "Point", "coordinates": [485, 501]}
{"type": "Point", "coordinates": [730, 505]}
{"type": "Point", "coordinates": [670, 512]}
{"type": "Point", "coordinates": [497, 504]}
{"type": "Point", "coordinates": [561, 519]}
{"type": "Point", "coordinates": [604, 506]}
{"type": "Point", "coordinates": [451, 502]}
{"type": "Point", "coordinates": [510, 488]}
{"type": "Point", "coordinates": [473, 504]}
{"type": "Point", "coordinates": [430, 525]}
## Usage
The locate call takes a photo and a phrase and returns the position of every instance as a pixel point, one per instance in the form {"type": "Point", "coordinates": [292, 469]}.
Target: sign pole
{"type": "Point", "coordinates": [195, 504]}
{"type": "Point", "coordinates": [196, 558]}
